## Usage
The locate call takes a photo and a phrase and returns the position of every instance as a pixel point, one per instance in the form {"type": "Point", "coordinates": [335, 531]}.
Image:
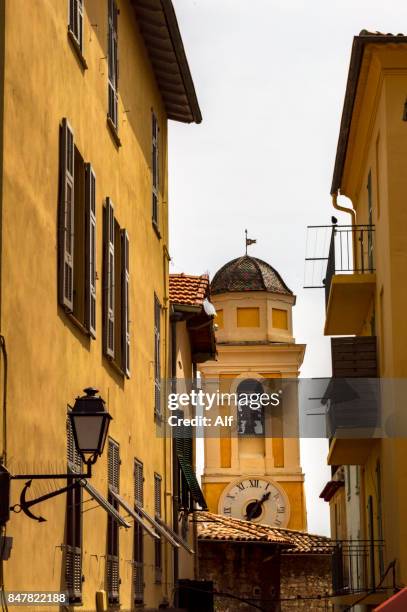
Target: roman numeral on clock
{"type": "Point", "coordinates": [254, 483]}
{"type": "Point", "coordinates": [240, 486]}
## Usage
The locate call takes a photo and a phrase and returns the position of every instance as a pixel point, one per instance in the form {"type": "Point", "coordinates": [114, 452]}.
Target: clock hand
{"type": "Point", "coordinates": [258, 504]}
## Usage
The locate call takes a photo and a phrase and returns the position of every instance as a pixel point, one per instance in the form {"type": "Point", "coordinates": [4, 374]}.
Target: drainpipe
{"type": "Point", "coordinates": [174, 318]}
{"type": "Point", "coordinates": [166, 260]}
{"type": "Point", "coordinates": [352, 213]}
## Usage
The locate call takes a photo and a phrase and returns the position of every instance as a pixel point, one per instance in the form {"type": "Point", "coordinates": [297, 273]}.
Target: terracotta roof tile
{"type": "Point", "coordinates": [188, 290]}
{"type": "Point", "coordinates": [214, 527]}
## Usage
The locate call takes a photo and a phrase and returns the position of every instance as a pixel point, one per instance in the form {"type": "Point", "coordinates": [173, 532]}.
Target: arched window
{"type": "Point", "coordinates": [250, 413]}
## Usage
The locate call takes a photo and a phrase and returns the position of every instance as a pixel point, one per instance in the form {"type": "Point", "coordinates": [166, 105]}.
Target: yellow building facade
{"type": "Point", "coordinates": [84, 286]}
{"type": "Point", "coordinates": [369, 300]}
{"type": "Point", "coordinates": [256, 457]}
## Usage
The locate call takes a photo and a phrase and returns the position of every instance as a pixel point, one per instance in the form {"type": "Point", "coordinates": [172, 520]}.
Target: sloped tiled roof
{"type": "Point", "coordinates": [215, 527]}
{"type": "Point", "coordinates": [248, 273]}
{"type": "Point", "coordinates": [188, 290]}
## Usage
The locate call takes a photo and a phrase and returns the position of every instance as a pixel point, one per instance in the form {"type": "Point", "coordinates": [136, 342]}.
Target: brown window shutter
{"type": "Point", "coordinates": [125, 314]}
{"type": "Point", "coordinates": [113, 67]}
{"type": "Point", "coordinates": [138, 483]}
{"type": "Point", "coordinates": [155, 166]}
{"type": "Point", "coordinates": [76, 20]}
{"type": "Point", "coordinates": [114, 466]}
{"type": "Point", "coordinates": [108, 281]}
{"type": "Point", "coordinates": [66, 218]}
{"type": "Point", "coordinates": [157, 495]}
{"type": "Point", "coordinates": [90, 245]}
{"type": "Point", "coordinates": [157, 357]}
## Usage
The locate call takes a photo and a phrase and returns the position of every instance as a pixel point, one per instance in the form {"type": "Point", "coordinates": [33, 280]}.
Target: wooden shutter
{"type": "Point", "coordinates": [125, 314]}
{"type": "Point", "coordinates": [138, 552]}
{"type": "Point", "coordinates": [90, 245]}
{"type": "Point", "coordinates": [76, 20]}
{"type": "Point", "coordinates": [66, 217]}
{"type": "Point", "coordinates": [157, 543]}
{"type": "Point", "coordinates": [108, 281]}
{"type": "Point", "coordinates": [138, 483]}
{"type": "Point", "coordinates": [157, 357]}
{"type": "Point", "coordinates": [157, 495]}
{"type": "Point", "coordinates": [73, 573]}
{"type": "Point", "coordinates": [112, 61]}
{"type": "Point", "coordinates": [354, 357]}
{"type": "Point", "coordinates": [155, 159]}
{"type": "Point", "coordinates": [73, 557]}
{"type": "Point", "coordinates": [73, 457]}
{"type": "Point", "coordinates": [114, 466]}
{"type": "Point", "coordinates": [113, 477]}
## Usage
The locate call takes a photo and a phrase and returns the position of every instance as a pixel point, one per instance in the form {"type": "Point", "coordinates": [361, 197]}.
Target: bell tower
{"type": "Point", "coordinates": [254, 473]}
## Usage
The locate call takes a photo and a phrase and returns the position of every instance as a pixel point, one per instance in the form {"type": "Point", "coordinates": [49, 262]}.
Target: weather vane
{"type": "Point", "coordinates": [249, 241]}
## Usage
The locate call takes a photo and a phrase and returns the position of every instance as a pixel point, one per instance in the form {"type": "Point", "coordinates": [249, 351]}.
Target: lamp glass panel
{"type": "Point", "coordinates": [88, 429]}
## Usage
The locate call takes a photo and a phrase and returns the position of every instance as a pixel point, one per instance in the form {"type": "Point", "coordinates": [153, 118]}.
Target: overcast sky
{"type": "Point", "coordinates": [270, 76]}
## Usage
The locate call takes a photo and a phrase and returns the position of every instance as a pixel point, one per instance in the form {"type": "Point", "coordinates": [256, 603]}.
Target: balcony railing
{"type": "Point", "coordinates": [357, 566]}
{"type": "Point", "coordinates": [337, 249]}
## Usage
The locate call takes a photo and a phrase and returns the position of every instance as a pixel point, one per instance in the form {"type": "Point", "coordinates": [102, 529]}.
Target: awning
{"type": "Point", "coordinates": [192, 481]}
{"type": "Point", "coordinates": [158, 527]}
{"type": "Point", "coordinates": [397, 603]}
{"type": "Point", "coordinates": [134, 514]}
{"type": "Point", "coordinates": [102, 501]}
{"type": "Point", "coordinates": [175, 536]}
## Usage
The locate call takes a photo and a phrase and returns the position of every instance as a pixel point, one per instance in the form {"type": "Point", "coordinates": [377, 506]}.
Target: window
{"type": "Point", "coordinates": [116, 280]}
{"type": "Point", "coordinates": [157, 543]}
{"type": "Point", "coordinates": [138, 547]}
{"type": "Point", "coordinates": [113, 478]}
{"type": "Point", "coordinates": [157, 358]}
{"type": "Point", "coordinates": [250, 415]}
{"type": "Point", "coordinates": [155, 166]}
{"type": "Point", "coordinates": [76, 21]}
{"type": "Point", "coordinates": [113, 67]}
{"type": "Point", "coordinates": [248, 317]}
{"type": "Point", "coordinates": [73, 553]}
{"type": "Point", "coordinates": [77, 234]}
{"type": "Point", "coordinates": [280, 318]}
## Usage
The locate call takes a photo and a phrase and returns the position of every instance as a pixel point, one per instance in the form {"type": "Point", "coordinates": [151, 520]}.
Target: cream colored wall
{"type": "Point", "coordinates": [378, 142]}
{"type": "Point", "coordinates": [49, 360]}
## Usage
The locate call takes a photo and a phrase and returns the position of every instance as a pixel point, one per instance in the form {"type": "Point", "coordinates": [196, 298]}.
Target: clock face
{"type": "Point", "coordinates": [256, 499]}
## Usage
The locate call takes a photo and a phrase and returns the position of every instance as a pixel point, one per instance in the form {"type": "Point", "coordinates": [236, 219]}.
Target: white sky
{"type": "Point", "coordinates": [270, 77]}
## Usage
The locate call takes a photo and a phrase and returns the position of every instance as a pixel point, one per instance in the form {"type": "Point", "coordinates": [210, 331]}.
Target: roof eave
{"type": "Point", "coordinates": [359, 43]}
{"type": "Point", "coordinates": [159, 28]}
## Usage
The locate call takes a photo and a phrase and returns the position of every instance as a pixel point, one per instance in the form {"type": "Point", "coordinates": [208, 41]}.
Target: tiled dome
{"type": "Point", "coordinates": [248, 274]}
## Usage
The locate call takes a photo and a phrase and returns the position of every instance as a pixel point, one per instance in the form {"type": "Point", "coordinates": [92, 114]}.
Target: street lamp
{"type": "Point", "coordinates": [90, 422]}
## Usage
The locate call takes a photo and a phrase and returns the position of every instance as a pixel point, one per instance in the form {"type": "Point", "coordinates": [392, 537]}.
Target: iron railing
{"type": "Point", "coordinates": [357, 566]}
{"type": "Point", "coordinates": [338, 249]}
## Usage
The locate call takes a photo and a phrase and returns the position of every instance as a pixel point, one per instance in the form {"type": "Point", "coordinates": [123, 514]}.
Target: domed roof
{"type": "Point", "coordinates": [248, 274]}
